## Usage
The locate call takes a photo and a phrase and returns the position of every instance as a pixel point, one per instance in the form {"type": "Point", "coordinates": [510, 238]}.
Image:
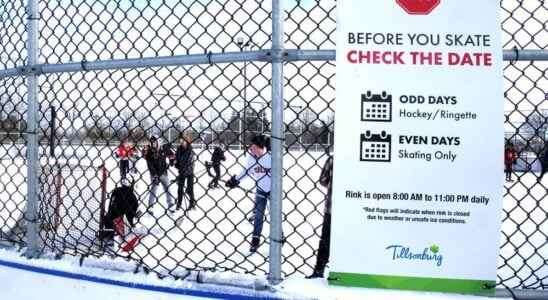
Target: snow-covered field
{"type": "Point", "coordinates": [216, 234]}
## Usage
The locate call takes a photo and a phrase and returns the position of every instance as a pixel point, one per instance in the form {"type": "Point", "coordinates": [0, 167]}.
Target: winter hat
{"type": "Point", "coordinates": [153, 139]}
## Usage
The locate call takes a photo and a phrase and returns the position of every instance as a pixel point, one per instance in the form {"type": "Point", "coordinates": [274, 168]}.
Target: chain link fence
{"type": "Point", "coordinates": [129, 70]}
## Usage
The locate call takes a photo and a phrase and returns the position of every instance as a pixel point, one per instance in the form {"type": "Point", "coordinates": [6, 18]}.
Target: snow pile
{"type": "Point", "coordinates": [121, 272]}
{"type": "Point", "coordinates": [319, 289]}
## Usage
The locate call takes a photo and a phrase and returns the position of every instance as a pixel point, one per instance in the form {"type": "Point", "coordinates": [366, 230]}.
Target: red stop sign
{"type": "Point", "coordinates": [418, 7]}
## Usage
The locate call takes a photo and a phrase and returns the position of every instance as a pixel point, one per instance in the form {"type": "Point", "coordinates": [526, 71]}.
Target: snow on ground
{"type": "Point", "coordinates": [216, 234]}
{"type": "Point", "coordinates": [13, 185]}
{"type": "Point", "coordinates": [108, 284]}
{"type": "Point", "coordinates": [44, 278]}
{"type": "Point", "coordinates": [319, 289]}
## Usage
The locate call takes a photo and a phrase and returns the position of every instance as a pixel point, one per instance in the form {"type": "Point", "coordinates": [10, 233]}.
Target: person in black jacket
{"type": "Point", "coordinates": [326, 180]}
{"type": "Point", "coordinates": [543, 159]}
{"type": "Point", "coordinates": [123, 202]}
{"type": "Point", "coordinates": [157, 162]}
{"type": "Point", "coordinates": [217, 156]}
{"type": "Point", "coordinates": [184, 162]}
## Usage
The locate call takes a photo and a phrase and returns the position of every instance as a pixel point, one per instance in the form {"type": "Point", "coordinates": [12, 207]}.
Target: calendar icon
{"type": "Point", "coordinates": [376, 108]}
{"type": "Point", "coordinates": [375, 147]}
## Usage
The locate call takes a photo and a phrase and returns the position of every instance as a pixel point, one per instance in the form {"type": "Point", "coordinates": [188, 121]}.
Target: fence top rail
{"type": "Point", "coordinates": [216, 58]}
{"type": "Point", "coordinates": [508, 55]}
{"type": "Point", "coordinates": [134, 63]}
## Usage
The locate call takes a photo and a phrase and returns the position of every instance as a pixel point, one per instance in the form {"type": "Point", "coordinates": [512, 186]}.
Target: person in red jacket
{"type": "Point", "coordinates": [510, 158]}
{"type": "Point", "coordinates": [124, 152]}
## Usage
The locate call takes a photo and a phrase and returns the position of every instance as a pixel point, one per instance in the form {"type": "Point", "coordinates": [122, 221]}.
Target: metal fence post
{"type": "Point", "coordinates": [32, 130]}
{"type": "Point", "coordinates": [277, 144]}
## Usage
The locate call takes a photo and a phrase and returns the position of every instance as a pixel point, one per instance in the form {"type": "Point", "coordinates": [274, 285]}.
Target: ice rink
{"type": "Point", "coordinates": [216, 234]}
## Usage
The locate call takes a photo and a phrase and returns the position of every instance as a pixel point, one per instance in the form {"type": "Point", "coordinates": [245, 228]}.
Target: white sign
{"type": "Point", "coordinates": [419, 140]}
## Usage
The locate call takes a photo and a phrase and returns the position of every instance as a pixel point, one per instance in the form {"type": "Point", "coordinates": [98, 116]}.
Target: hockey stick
{"type": "Point", "coordinates": [180, 219]}
{"type": "Point", "coordinates": [208, 167]}
{"type": "Point", "coordinates": [202, 172]}
{"type": "Point", "coordinates": [227, 189]}
{"type": "Point", "coordinates": [197, 175]}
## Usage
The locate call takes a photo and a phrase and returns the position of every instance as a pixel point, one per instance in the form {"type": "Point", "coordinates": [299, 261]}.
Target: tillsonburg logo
{"type": "Point", "coordinates": [404, 253]}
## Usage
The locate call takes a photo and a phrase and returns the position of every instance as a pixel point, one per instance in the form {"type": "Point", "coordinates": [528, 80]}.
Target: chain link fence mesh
{"type": "Point", "coordinates": [86, 115]}
{"type": "Point", "coordinates": [13, 35]}
{"type": "Point", "coordinates": [524, 245]}
{"type": "Point", "coordinates": [12, 159]}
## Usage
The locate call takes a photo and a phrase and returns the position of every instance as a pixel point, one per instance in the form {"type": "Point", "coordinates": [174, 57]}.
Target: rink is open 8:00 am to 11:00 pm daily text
{"type": "Point", "coordinates": [403, 196]}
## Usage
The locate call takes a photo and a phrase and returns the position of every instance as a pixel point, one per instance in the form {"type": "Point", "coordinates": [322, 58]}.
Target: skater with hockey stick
{"type": "Point", "coordinates": [157, 161]}
{"type": "Point", "coordinates": [257, 166]}
{"type": "Point", "coordinates": [184, 162]}
{"type": "Point", "coordinates": [217, 156]}
{"type": "Point", "coordinates": [123, 202]}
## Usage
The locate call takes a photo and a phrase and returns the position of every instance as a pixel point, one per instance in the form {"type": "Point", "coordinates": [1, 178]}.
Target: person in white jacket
{"type": "Point", "coordinates": [257, 166]}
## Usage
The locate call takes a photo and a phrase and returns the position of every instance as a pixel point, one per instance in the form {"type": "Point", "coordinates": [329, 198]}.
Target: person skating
{"type": "Point", "coordinates": [258, 167]}
{"type": "Point", "coordinates": [510, 158]}
{"type": "Point", "coordinates": [124, 152]}
{"type": "Point", "coordinates": [217, 156]}
{"type": "Point", "coordinates": [326, 179]}
{"type": "Point", "coordinates": [184, 162]}
{"type": "Point", "coordinates": [133, 158]}
{"type": "Point", "coordinates": [157, 162]}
